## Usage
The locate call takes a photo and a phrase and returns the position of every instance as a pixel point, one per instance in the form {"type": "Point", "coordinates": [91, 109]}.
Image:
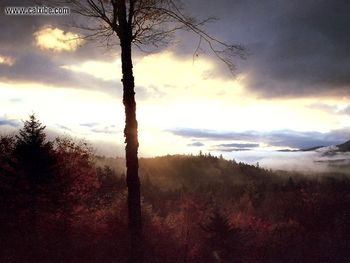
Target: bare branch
{"type": "Point", "coordinates": [223, 51]}
{"type": "Point", "coordinates": [153, 23]}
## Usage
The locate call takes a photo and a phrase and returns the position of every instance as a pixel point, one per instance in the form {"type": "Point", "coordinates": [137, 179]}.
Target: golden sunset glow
{"type": "Point", "coordinates": [171, 93]}
{"type": "Point", "coordinates": [174, 131]}
{"type": "Point", "coordinates": [56, 39]}
{"type": "Point", "coordinates": [82, 97]}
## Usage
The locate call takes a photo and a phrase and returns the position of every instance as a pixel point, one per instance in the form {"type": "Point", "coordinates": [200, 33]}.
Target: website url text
{"type": "Point", "coordinates": [36, 11]}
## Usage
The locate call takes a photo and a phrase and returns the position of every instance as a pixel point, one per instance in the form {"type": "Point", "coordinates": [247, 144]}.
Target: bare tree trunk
{"type": "Point", "coordinates": [132, 145]}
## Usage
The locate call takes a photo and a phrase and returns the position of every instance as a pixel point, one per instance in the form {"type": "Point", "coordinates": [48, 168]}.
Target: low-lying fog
{"type": "Point", "coordinates": [325, 159]}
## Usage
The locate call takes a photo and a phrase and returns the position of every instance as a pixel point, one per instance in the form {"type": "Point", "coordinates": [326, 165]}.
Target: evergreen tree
{"type": "Point", "coordinates": [33, 151]}
{"type": "Point", "coordinates": [222, 239]}
{"type": "Point", "coordinates": [34, 158]}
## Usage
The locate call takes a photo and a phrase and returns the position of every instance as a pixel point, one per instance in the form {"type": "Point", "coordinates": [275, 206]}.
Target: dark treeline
{"type": "Point", "coordinates": [61, 203]}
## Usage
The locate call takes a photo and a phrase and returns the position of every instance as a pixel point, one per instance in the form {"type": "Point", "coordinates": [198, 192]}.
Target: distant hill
{"type": "Point", "coordinates": [194, 172]}
{"type": "Point", "coordinates": [345, 147]}
{"type": "Point", "coordinates": [311, 149]}
{"type": "Point", "coordinates": [302, 150]}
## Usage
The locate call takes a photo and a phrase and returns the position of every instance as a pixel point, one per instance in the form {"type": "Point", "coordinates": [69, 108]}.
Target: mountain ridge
{"type": "Point", "coordinates": [344, 147]}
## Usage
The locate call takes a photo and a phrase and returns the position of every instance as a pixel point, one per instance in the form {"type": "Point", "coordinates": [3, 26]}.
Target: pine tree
{"type": "Point", "coordinates": [33, 151]}
{"type": "Point", "coordinates": [222, 239]}
{"type": "Point", "coordinates": [34, 157]}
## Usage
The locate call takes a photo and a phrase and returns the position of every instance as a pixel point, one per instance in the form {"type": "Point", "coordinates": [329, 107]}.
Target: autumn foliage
{"type": "Point", "coordinates": [61, 203]}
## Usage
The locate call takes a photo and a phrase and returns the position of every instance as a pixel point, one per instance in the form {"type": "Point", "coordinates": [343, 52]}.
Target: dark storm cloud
{"type": "Point", "coordinates": [40, 68]}
{"type": "Point", "coordinates": [17, 32]}
{"type": "Point", "coordinates": [283, 138]}
{"type": "Point", "coordinates": [297, 48]}
{"type": "Point", "coordinates": [44, 66]}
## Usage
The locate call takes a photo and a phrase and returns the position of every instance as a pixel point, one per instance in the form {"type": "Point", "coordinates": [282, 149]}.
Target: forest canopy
{"type": "Point", "coordinates": [59, 202]}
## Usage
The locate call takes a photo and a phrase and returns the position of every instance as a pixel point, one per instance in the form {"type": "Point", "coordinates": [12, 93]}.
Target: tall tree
{"type": "Point", "coordinates": [141, 22]}
{"type": "Point", "coordinates": [34, 157]}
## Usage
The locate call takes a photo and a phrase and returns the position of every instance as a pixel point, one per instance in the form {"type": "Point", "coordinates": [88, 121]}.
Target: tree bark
{"type": "Point", "coordinates": [131, 140]}
{"type": "Point", "coordinates": [131, 151]}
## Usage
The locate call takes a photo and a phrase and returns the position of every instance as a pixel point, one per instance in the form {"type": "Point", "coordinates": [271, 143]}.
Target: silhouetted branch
{"type": "Point", "coordinates": [153, 23]}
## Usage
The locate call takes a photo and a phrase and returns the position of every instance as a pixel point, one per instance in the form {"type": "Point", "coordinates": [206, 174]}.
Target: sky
{"type": "Point", "coordinates": [291, 92]}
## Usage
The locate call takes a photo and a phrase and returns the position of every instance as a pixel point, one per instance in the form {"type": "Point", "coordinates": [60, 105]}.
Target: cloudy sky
{"type": "Point", "coordinates": [292, 91]}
